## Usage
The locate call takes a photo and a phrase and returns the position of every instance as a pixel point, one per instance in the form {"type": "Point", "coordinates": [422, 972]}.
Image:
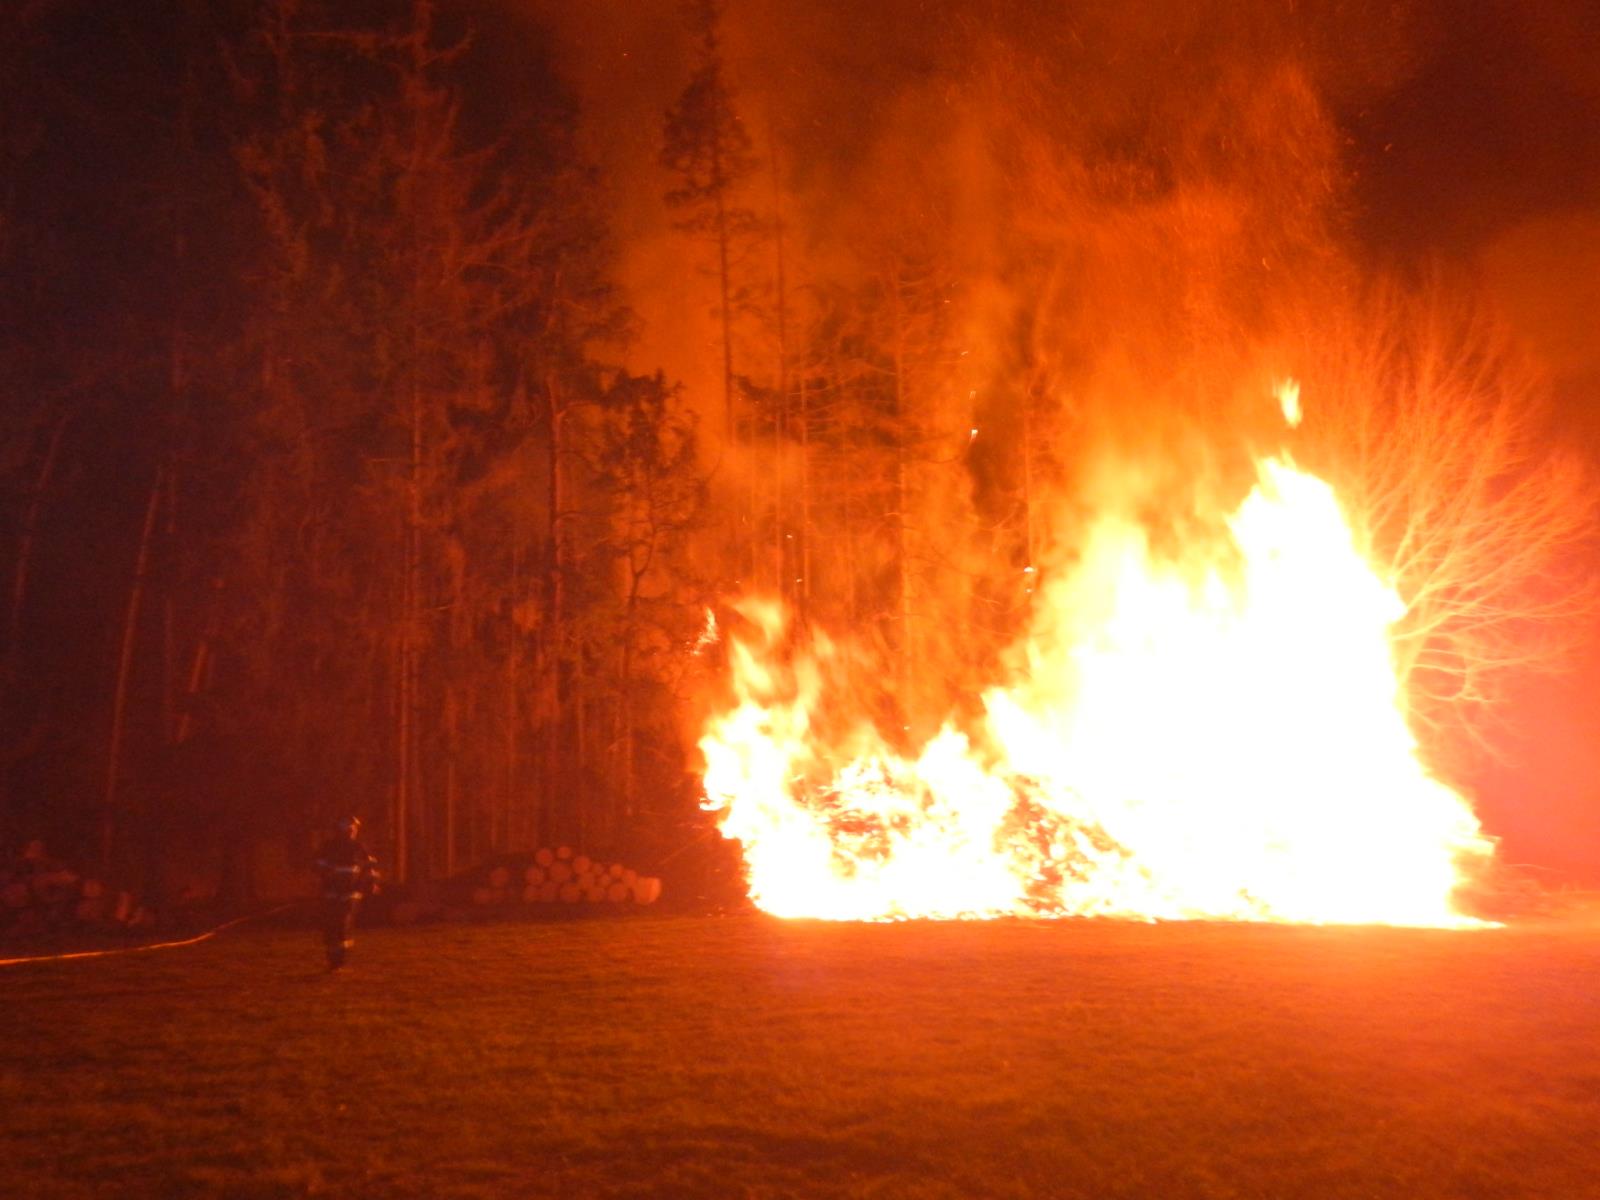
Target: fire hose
{"type": "Point", "coordinates": [106, 953]}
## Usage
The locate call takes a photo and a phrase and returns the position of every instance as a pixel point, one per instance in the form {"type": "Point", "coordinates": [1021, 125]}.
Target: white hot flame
{"type": "Point", "coordinates": [1288, 393]}
{"type": "Point", "coordinates": [1217, 737]}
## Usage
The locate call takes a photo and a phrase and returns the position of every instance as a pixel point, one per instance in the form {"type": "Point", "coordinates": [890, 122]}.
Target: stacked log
{"type": "Point", "coordinates": [39, 894]}
{"type": "Point", "coordinates": [560, 875]}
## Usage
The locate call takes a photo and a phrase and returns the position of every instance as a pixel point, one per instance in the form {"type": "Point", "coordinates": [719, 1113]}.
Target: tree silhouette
{"type": "Point", "coordinates": [705, 143]}
{"type": "Point", "coordinates": [1426, 416]}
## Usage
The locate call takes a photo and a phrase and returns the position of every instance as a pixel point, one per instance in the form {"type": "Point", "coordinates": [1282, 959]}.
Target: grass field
{"type": "Point", "coordinates": [731, 1057]}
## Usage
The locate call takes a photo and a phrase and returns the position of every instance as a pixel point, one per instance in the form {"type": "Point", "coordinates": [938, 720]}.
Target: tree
{"type": "Point", "coordinates": [645, 463]}
{"type": "Point", "coordinates": [1426, 417]}
{"type": "Point", "coordinates": [394, 295]}
{"type": "Point", "coordinates": [706, 144]}
{"type": "Point", "coordinates": [36, 377]}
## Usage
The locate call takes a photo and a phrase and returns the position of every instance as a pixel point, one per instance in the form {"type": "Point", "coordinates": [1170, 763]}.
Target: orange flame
{"type": "Point", "coordinates": [1220, 738]}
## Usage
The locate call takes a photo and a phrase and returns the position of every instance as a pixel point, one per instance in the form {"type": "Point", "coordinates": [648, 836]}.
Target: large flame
{"type": "Point", "coordinates": [1222, 737]}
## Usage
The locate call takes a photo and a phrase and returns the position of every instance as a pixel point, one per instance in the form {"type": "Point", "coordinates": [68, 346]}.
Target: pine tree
{"type": "Point", "coordinates": [645, 463]}
{"type": "Point", "coordinates": [706, 144]}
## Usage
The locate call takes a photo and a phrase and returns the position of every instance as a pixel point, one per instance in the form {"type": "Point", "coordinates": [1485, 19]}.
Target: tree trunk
{"type": "Point", "coordinates": [1029, 399]}
{"type": "Point", "coordinates": [406, 772]}
{"type": "Point", "coordinates": [409, 857]}
{"type": "Point", "coordinates": [902, 548]}
{"type": "Point", "coordinates": [626, 740]}
{"type": "Point", "coordinates": [578, 785]}
{"type": "Point", "coordinates": [744, 550]}
{"type": "Point", "coordinates": [783, 574]}
{"type": "Point", "coordinates": [119, 703]}
{"type": "Point", "coordinates": [199, 668]}
{"type": "Point", "coordinates": [505, 827]}
{"type": "Point", "coordinates": [452, 727]}
{"type": "Point", "coordinates": [556, 681]}
{"type": "Point", "coordinates": [26, 536]}
{"type": "Point", "coordinates": [803, 590]}
{"type": "Point", "coordinates": [169, 620]}
{"type": "Point", "coordinates": [725, 288]}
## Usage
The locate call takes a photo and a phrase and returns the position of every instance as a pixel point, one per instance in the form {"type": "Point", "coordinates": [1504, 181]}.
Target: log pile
{"type": "Point", "coordinates": [39, 894]}
{"type": "Point", "coordinates": [562, 876]}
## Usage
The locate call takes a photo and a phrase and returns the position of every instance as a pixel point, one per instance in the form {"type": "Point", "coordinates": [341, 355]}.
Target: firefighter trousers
{"type": "Point", "coordinates": [339, 926]}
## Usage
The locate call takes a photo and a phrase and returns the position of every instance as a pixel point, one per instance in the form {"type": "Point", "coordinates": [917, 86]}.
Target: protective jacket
{"type": "Point", "coordinates": [347, 869]}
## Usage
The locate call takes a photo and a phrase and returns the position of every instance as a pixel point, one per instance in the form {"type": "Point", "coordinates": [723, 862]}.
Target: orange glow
{"type": "Point", "coordinates": [1216, 737]}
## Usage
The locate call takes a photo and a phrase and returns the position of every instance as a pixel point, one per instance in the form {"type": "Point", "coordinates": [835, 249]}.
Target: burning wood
{"type": "Point", "coordinates": [1215, 732]}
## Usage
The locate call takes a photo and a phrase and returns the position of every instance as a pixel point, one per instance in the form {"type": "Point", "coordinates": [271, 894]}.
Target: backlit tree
{"type": "Point", "coordinates": [1429, 421]}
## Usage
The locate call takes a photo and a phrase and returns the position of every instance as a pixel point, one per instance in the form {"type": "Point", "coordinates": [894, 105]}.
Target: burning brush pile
{"type": "Point", "coordinates": [1216, 732]}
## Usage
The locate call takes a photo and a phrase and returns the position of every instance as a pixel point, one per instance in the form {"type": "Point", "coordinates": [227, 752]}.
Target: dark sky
{"type": "Point", "coordinates": [1497, 125]}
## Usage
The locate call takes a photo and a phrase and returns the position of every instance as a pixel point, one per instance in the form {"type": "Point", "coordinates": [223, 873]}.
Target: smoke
{"type": "Point", "coordinates": [1157, 98]}
{"type": "Point", "coordinates": [1148, 161]}
{"type": "Point", "coordinates": [1545, 274]}
{"type": "Point", "coordinates": [1107, 217]}
{"type": "Point", "coordinates": [1099, 234]}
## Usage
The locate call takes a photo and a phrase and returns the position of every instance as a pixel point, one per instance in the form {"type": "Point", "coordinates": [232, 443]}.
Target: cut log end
{"type": "Point", "coordinates": [646, 889]}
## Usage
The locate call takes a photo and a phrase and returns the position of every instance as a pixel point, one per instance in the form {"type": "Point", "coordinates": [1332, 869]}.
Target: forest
{"type": "Point", "coordinates": [335, 476]}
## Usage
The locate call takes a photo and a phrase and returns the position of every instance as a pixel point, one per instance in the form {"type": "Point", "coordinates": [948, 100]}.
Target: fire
{"type": "Point", "coordinates": [1288, 393]}
{"type": "Point", "coordinates": [1219, 737]}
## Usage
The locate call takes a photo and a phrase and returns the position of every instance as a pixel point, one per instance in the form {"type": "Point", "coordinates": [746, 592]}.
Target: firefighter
{"type": "Point", "coordinates": [348, 873]}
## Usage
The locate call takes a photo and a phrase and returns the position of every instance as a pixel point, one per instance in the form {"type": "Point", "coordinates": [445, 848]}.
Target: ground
{"type": "Point", "coordinates": [747, 1057]}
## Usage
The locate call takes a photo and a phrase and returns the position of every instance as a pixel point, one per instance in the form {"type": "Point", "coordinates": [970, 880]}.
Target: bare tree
{"type": "Point", "coordinates": [1430, 423]}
